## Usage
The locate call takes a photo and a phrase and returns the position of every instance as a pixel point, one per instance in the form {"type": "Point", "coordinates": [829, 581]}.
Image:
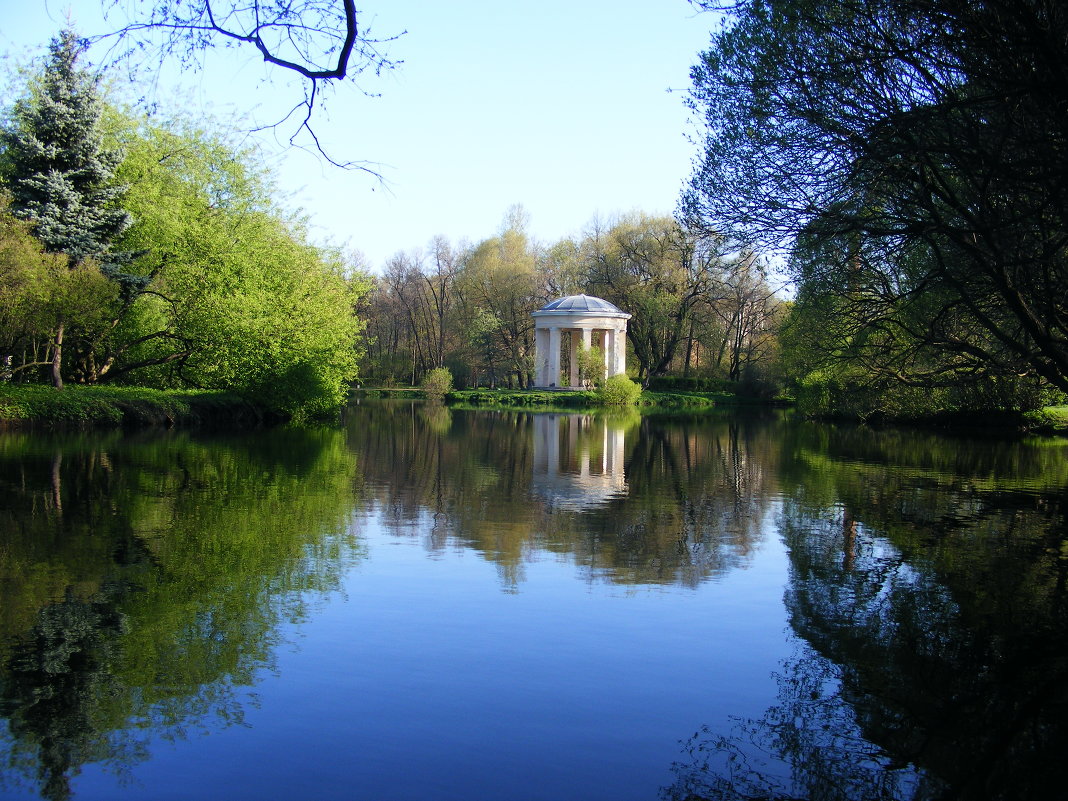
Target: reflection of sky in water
{"type": "Point", "coordinates": [422, 679]}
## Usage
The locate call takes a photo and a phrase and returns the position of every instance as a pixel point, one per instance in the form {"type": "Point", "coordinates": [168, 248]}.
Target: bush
{"type": "Point", "coordinates": [618, 390]}
{"type": "Point", "coordinates": [437, 383]}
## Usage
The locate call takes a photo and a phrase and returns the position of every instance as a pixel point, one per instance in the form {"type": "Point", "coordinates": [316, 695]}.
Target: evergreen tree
{"type": "Point", "coordinates": [60, 174]}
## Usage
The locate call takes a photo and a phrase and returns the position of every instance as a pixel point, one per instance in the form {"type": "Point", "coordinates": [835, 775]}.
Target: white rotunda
{"type": "Point", "coordinates": [578, 320]}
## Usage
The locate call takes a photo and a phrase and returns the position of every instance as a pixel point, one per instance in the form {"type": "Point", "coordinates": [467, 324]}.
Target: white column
{"type": "Point", "coordinates": [620, 338]}
{"type": "Point", "coordinates": [541, 356]}
{"type": "Point", "coordinates": [608, 343]}
{"type": "Point", "coordinates": [553, 379]}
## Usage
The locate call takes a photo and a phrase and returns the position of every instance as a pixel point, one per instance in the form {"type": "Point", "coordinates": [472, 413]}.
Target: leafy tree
{"type": "Point", "coordinates": [501, 285]}
{"type": "Point", "coordinates": [913, 150]}
{"type": "Point", "coordinates": [38, 290]}
{"type": "Point", "coordinates": [659, 273]}
{"type": "Point", "coordinates": [437, 383]}
{"type": "Point", "coordinates": [240, 298]}
{"type": "Point", "coordinates": [60, 174]}
{"type": "Point", "coordinates": [591, 366]}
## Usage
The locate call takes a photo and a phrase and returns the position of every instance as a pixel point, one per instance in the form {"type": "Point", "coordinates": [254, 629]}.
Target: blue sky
{"type": "Point", "coordinates": [562, 106]}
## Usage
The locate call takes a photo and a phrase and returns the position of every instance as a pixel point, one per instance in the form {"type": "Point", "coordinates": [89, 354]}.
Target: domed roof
{"type": "Point", "coordinates": [578, 304]}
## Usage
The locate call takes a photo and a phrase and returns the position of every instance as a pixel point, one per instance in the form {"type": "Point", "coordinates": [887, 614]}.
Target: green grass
{"type": "Point", "coordinates": [566, 399]}
{"type": "Point", "coordinates": [92, 406]}
{"type": "Point", "coordinates": [1050, 419]}
{"type": "Point", "coordinates": [514, 398]}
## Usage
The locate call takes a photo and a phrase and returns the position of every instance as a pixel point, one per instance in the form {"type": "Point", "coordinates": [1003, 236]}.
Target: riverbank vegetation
{"type": "Point", "coordinates": [79, 406]}
{"type": "Point", "coordinates": [700, 309]}
{"type": "Point", "coordinates": [903, 156]}
{"type": "Point", "coordinates": [153, 251]}
{"type": "Point", "coordinates": [628, 396]}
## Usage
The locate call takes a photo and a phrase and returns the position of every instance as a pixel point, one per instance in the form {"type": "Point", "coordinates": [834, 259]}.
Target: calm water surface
{"type": "Point", "coordinates": [438, 604]}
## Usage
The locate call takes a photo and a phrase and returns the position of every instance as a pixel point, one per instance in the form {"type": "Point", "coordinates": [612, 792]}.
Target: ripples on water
{"type": "Point", "coordinates": [431, 603]}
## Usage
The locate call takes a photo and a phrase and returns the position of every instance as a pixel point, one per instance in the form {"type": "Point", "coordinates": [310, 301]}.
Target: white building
{"type": "Point", "coordinates": [573, 321]}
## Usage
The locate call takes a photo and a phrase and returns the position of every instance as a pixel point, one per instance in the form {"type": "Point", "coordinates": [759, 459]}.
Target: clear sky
{"type": "Point", "coordinates": [572, 108]}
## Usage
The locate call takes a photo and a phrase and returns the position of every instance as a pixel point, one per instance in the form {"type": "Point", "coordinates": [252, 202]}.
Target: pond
{"type": "Point", "coordinates": [426, 603]}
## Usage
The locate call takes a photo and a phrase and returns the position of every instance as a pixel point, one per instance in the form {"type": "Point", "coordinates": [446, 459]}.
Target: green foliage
{"type": "Point", "coordinates": [849, 392]}
{"type": "Point", "coordinates": [437, 383]}
{"type": "Point", "coordinates": [39, 289]}
{"type": "Point", "coordinates": [1050, 420]}
{"type": "Point", "coordinates": [618, 390]}
{"type": "Point", "coordinates": [932, 230]}
{"type": "Point", "coordinates": [691, 384]}
{"type": "Point", "coordinates": [245, 302]}
{"type": "Point", "coordinates": [522, 398]}
{"type": "Point", "coordinates": [229, 292]}
{"type": "Point", "coordinates": [116, 405]}
{"type": "Point", "coordinates": [60, 174]}
{"type": "Point", "coordinates": [591, 366]}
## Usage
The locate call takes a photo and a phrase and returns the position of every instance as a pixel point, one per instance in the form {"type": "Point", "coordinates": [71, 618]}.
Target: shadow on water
{"type": "Point", "coordinates": [927, 591]}
{"type": "Point", "coordinates": [143, 581]}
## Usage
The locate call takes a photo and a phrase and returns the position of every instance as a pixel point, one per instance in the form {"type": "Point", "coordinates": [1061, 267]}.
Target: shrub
{"type": "Point", "coordinates": [618, 390]}
{"type": "Point", "coordinates": [437, 383]}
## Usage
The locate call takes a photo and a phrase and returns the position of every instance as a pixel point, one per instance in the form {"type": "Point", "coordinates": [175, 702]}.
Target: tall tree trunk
{"type": "Point", "coordinates": [689, 352]}
{"type": "Point", "coordinates": [57, 358]}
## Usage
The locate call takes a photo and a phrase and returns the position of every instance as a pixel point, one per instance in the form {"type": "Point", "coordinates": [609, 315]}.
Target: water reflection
{"type": "Point", "coordinates": [928, 592]}
{"type": "Point", "coordinates": [143, 581]}
{"type": "Point", "coordinates": [578, 460]}
{"type": "Point", "coordinates": [628, 500]}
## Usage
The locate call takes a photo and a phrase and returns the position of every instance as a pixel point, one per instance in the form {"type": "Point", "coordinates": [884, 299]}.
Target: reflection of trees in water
{"type": "Point", "coordinates": [56, 683]}
{"type": "Point", "coordinates": [932, 608]}
{"type": "Point", "coordinates": [139, 604]}
{"type": "Point", "coordinates": [696, 490]}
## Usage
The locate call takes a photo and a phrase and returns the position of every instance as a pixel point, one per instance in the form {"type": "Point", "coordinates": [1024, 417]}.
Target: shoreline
{"type": "Point", "coordinates": [32, 406]}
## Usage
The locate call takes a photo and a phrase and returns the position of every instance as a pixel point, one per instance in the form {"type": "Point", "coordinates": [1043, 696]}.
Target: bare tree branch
{"type": "Point", "coordinates": [321, 41]}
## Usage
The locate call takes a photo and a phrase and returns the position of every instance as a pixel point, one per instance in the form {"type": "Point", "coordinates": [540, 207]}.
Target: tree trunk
{"type": "Point", "coordinates": [57, 358]}
{"type": "Point", "coordinates": [689, 353]}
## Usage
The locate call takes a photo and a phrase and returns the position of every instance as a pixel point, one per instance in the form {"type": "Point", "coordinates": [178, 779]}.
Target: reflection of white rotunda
{"type": "Point", "coordinates": [579, 318]}
{"type": "Point", "coordinates": [578, 460]}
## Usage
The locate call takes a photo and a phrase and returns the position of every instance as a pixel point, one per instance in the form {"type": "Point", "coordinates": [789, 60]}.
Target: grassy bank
{"type": "Point", "coordinates": [103, 406]}
{"type": "Point", "coordinates": [1049, 420]}
{"type": "Point", "coordinates": [563, 399]}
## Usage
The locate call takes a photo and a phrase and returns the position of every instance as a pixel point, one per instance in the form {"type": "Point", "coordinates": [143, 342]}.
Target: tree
{"type": "Point", "coordinates": [319, 40]}
{"type": "Point", "coordinates": [661, 274]}
{"type": "Point", "coordinates": [61, 176]}
{"type": "Point", "coordinates": [924, 141]}
{"type": "Point", "coordinates": [240, 299]}
{"type": "Point", "coordinates": [749, 313]}
{"type": "Point", "coordinates": [501, 285]}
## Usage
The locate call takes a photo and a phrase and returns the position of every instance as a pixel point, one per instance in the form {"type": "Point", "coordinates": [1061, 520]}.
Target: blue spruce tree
{"type": "Point", "coordinates": [60, 175]}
